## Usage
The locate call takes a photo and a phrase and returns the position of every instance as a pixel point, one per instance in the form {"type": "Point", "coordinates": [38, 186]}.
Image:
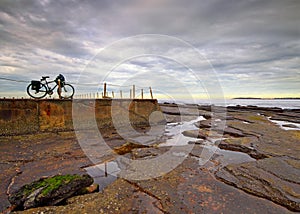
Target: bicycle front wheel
{"type": "Point", "coordinates": [37, 93]}
{"type": "Point", "coordinates": [66, 91]}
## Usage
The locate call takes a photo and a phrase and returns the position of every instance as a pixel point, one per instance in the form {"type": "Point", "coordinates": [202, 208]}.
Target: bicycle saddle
{"type": "Point", "coordinates": [45, 77]}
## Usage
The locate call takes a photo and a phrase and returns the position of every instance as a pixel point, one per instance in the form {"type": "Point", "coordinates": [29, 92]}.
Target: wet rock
{"type": "Point", "coordinates": [49, 191]}
{"type": "Point", "coordinates": [253, 108]}
{"type": "Point", "coordinates": [128, 147]}
{"type": "Point", "coordinates": [218, 127]}
{"type": "Point", "coordinates": [206, 115]}
{"type": "Point", "coordinates": [276, 179]}
{"type": "Point", "coordinates": [290, 126]}
{"type": "Point", "coordinates": [233, 132]}
{"type": "Point", "coordinates": [194, 134]}
{"type": "Point", "coordinates": [246, 144]}
{"type": "Point", "coordinates": [91, 189]}
{"type": "Point", "coordinates": [287, 116]}
{"type": "Point", "coordinates": [197, 142]}
{"type": "Point", "coordinates": [205, 134]}
{"type": "Point", "coordinates": [148, 152]}
{"type": "Point", "coordinates": [203, 124]}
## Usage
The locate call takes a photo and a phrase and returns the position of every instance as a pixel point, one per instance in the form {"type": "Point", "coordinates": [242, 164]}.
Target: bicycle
{"type": "Point", "coordinates": [39, 89]}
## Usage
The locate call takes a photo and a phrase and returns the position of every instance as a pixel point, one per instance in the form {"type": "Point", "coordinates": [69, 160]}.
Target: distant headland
{"type": "Point", "coordinates": [259, 98]}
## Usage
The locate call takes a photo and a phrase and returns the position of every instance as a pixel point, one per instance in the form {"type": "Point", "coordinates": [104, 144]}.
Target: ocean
{"type": "Point", "coordinates": [280, 103]}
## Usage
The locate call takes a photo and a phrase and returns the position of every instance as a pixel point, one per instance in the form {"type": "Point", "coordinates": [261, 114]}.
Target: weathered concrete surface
{"type": "Point", "coordinates": [18, 117]}
{"type": "Point", "coordinates": [26, 116]}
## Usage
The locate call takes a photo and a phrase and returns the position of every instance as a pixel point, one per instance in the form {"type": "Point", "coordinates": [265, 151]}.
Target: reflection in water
{"type": "Point", "coordinates": [174, 131]}
{"type": "Point", "coordinates": [225, 157]}
{"type": "Point", "coordinates": [286, 125]}
{"type": "Point", "coordinates": [104, 174]}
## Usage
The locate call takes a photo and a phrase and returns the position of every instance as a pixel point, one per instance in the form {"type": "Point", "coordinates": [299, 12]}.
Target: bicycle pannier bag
{"type": "Point", "coordinates": [35, 85]}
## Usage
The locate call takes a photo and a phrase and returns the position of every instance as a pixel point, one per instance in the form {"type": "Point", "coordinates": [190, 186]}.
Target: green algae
{"type": "Point", "coordinates": [257, 118]}
{"type": "Point", "coordinates": [49, 184]}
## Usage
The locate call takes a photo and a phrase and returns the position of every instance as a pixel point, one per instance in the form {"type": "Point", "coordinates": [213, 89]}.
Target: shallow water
{"type": "Point", "coordinates": [225, 157]}
{"type": "Point", "coordinates": [174, 132]}
{"type": "Point", "coordinates": [233, 157]}
{"type": "Point", "coordinates": [104, 174]}
{"type": "Point", "coordinates": [282, 123]}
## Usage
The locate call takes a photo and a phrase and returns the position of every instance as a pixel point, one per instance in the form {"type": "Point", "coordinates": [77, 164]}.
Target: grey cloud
{"type": "Point", "coordinates": [248, 40]}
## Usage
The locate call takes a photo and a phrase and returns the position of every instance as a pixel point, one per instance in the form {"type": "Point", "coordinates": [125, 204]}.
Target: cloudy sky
{"type": "Point", "coordinates": [247, 48]}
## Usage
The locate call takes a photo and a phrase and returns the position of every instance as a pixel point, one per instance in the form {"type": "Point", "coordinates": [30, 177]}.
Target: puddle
{"type": "Point", "coordinates": [233, 157]}
{"type": "Point", "coordinates": [104, 174]}
{"type": "Point", "coordinates": [284, 124]}
{"type": "Point", "coordinates": [174, 131]}
{"type": "Point", "coordinates": [223, 157]}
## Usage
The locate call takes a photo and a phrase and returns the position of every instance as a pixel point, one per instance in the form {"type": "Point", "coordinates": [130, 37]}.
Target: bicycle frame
{"type": "Point", "coordinates": [46, 83]}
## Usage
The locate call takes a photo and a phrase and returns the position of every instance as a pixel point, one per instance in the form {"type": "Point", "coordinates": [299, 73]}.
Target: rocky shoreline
{"type": "Point", "coordinates": [255, 167]}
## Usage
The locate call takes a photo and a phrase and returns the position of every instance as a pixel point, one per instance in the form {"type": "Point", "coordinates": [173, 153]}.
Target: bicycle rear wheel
{"type": "Point", "coordinates": [37, 94]}
{"type": "Point", "coordinates": [67, 91]}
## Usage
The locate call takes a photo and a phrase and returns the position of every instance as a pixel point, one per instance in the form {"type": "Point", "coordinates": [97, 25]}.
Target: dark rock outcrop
{"type": "Point", "coordinates": [49, 191]}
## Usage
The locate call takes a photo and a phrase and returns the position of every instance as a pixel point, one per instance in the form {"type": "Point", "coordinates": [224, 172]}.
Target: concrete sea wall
{"type": "Point", "coordinates": [26, 116]}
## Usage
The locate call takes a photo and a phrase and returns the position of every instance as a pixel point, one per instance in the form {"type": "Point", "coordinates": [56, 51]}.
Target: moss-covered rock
{"type": "Point", "coordinates": [49, 191]}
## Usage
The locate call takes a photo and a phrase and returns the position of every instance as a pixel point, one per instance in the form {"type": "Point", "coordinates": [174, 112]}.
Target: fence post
{"type": "Point", "coordinates": [121, 95]}
{"type": "Point", "coordinates": [113, 94]}
{"type": "Point", "coordinates": [142, 93]}
{"type": "Point", "coordinates": [130, 93]}
{"type": "Point", "coordinates": [133, 91]}
{"type": "Point", "coordinates": [151, 92]}
{"type": "Point", "coordinates": [104, 93]}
